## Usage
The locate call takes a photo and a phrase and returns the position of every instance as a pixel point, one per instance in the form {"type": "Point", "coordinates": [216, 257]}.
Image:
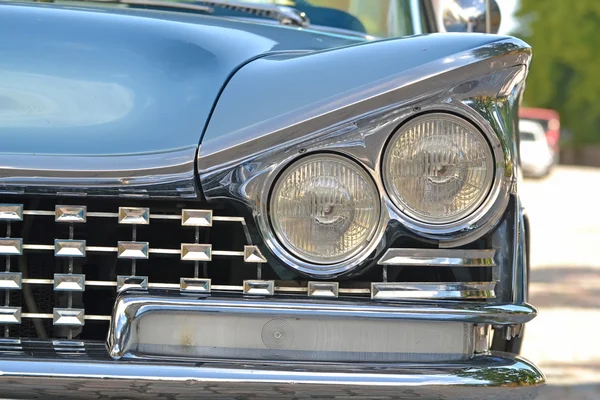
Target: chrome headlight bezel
{"type": "Point", "coordinates": [489, 210]}
{"type": "Point", "coordinates": [293, 260]}
{"type": "Point", "coordinates": [400, 202]}
{"type": "Point", "coordinates": [342, 161]}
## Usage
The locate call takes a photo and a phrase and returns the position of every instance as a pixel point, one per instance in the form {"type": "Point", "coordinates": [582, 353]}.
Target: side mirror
{"type": "Point", "coordinates": [466, 15]}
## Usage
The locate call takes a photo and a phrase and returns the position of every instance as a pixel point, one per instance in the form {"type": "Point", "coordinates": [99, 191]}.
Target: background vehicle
{"type": "Point", "coordinates": [550, 121]}
{"type": "Point", "coordinates": [535, 154]}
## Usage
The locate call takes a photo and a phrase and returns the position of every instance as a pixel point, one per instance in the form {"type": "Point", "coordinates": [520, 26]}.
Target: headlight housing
{"type": "Point", "coordinates": [438, 168]}
{"type": "Point", "coordinates": [324, 208]}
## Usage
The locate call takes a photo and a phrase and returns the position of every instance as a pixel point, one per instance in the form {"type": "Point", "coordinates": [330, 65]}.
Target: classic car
{"type": "Point", "coordinates": [535, 153]}
{"type": "Point", "coordinates": [218, 200]}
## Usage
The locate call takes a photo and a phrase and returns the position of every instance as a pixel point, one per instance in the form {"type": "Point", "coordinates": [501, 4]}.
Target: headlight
{"type": "Point", "coordinates": [438, 168]}
{"type": "Point", "coordinates": [324, 208]}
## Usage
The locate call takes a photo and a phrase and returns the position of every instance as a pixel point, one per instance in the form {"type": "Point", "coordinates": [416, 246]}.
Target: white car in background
{"type": "Point", "coordinates": [536, 154]}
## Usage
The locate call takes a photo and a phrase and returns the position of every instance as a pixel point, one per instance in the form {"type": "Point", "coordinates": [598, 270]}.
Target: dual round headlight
{"type": "Point", "coordinates": [437, 169]}
{"type": "Point", "coordinates": [324, 208]}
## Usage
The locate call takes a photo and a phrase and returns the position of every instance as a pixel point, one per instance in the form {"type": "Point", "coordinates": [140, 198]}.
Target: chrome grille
{"type": "Point", "coordinates": [65, 263]}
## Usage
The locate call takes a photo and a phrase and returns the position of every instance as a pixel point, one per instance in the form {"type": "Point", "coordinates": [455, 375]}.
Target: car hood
{"type": "Point", "coordinates": [108, 81]}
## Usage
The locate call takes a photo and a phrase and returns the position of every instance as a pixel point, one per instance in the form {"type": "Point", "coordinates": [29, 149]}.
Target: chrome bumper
{"type": "Point", "coordinates": [68, 371]}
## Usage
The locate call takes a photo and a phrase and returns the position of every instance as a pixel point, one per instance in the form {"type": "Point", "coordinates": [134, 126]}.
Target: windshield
{"type": "Point", "coordinates": [527, 136]}
{"type": "Point", "coordinates": [381, 18]}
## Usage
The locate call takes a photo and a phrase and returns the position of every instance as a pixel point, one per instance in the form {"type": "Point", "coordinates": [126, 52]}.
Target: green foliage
{"type": "Point", "coordinates": [565, 72]}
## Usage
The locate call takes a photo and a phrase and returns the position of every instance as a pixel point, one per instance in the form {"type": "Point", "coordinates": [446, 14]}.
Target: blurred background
{"type": "Point", "coordinates": [559, 189]}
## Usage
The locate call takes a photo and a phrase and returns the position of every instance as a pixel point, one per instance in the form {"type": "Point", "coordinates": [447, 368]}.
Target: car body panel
{"type": "Point", "coordinates": [79, 88]}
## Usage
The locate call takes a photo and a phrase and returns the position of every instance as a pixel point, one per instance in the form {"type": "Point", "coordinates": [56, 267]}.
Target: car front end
{"type": "Point", "coordinates": [206, 207]}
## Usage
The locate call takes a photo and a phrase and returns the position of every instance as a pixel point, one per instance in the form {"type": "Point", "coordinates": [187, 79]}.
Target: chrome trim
{"type": "Point", "coordinates": [39, 247]}
{"type": "Point", "coordinates": [196, 217]}
{"type": "Point", "coordinates": [478, 313]}
{"type": "Point", "coordinates": [69, 248]}
{"type": "Point", "coordinates": [71, 214]}
{"type": "Point", "coordinates": [11, 212]}
{"type": "Point", "coordinates": [476, 211]}
{"type": "Point", "coordinates": [196, 252]}
{"type": "Point", "coordinates": [434, 290]}
{"type": "Point", "coordinates": [229, 219]}
{"type": "Point", "coordinates": [11, 280]}
{"type": "Point", "coordinates": [195, 285]}
{"type": "Point", "coordinates": [11, 246]}
{"type": "Point", "coordinates": [295, 258]}
{"type": "Point", "coordinates": [130, 306]}
{"type": "Point", "coordinates": [152, 333]}
{"type": "Point", "coordinates": [240, 159]}
{"type": "Point", "coordinates": [167, 174]}
{"type": "Point", "coordinates": [252, 254]}
{"type": "Point", "coordinates": [10, 315]}
{"type": "Point", "coordinates": [32, 369]}
{"type": "Point", "coordinates": [439, 257]}
{"type": "Point", "coordinates": [323, 289]}
{"type": "Point", "coordinates": [134, 215]}
{"type": "Point", "coordinates": [68, 316]}
{"type": "Point", "coordinates": [103, 214]}
{"type": "Point", "coordinates": [131, 283]}
{"type": "Point", "coordinates": [39, 212]}
{"type": "Point", "coordinates": [35, 281]}
{"type": "Point", "coordinates": [416, 17]}
{"type": "Point", "coordinates": [69, 282]}
{"type": "Point", "coordinates": [133, 250]}
{"type": "Point", "coordinates": [258, 287]}
{"type": "Point", "coordinates": [483, 339]}
{"type": "Point", "coordinates": [228, 253]}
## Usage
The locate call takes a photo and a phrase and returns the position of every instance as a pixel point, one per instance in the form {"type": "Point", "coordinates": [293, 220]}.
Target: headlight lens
{"type": "Point", "coordinates": [324, 208]}
{"type": "Point", "coordinates": [438, 168]}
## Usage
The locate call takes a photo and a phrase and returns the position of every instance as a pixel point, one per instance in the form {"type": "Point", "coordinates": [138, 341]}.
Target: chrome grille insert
{"type": "Point", "coordinates": [11, 246]}
{"type": "Point", "coordinates": [196, 217]}
{"type": "Point", "coordinates": [133, 250]}
{"type": "Point", "coordinates": [265, 288]}
{"type": "Point", "coordinates": [69, 248]}
{"type": "Point", "coordinates": [11, 212]}
{"type": "Point", "coordinates": [101, 252]}
{"type": "Point", "coordinates": [69, 282]}
{"type": "Point", "coordinates": [196, 285]}
{"type": "Point", "coordinates": [134, 215]}
{"type": "Point", "coordinates": [10, 315]}
{"type": "Point", "coordinates": [323, 289]}
{"type": "Point", "coordinates": [68, 316]}
{"type": "Point", "coordinates": [196, 252]}
{"type": "Point", "coordinates": [11, 280]}
{"type": "Point", "coordinates": [71, 214]}
{"type": "Point", "coordinates": [439, 257]}
{"type": "Point", "coordinates": [453, 290]}
{"type": "Point", "coordinates": [252, 254]}
{"type": "Point", "coordinates": [131, 283]}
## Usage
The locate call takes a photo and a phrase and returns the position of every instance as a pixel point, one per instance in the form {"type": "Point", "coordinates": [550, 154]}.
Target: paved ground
{"type": "Point", "coordinates": [564, 340]}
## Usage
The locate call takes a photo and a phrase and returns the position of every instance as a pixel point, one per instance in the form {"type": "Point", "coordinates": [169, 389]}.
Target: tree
{"type": "Point", "coordinates": [565, 71]}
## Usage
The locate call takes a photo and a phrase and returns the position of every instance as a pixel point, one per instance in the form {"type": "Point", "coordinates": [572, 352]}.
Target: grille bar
{"type": "Point", "coordinates": [108, 249]}
{"type": "Point", "coordinates": [81, 258]}
{"type": "Point", "coordinates": [439, 257]}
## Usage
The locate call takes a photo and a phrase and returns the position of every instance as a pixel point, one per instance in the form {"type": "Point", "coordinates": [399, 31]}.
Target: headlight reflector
{"type": "Point", "coordinates": [438, 168]}
{"type": "Point", "coordinates": [324, 208]}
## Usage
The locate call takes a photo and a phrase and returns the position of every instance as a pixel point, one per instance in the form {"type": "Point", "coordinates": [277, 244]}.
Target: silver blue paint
{"type": "Point", "coordinates": [105, 81]}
